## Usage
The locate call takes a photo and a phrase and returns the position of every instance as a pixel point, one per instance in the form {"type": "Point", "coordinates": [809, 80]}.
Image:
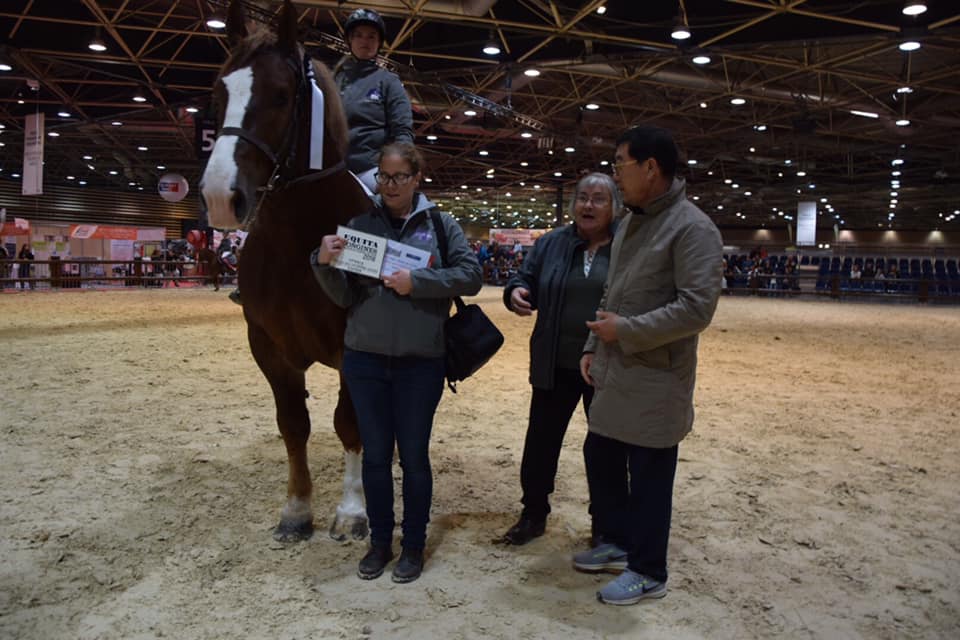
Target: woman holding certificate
{"type": "Point", "coordinates": [393, 362]}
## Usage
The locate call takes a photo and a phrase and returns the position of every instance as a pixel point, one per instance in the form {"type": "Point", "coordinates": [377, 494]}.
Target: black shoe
{"type": "Point", "coordinates": [409, 566]}
{"type": "Point", "coordinates": [235, 296]}
{"type": "Point", "coordinates": [373, 564]}
{"type": "Point", "coordinates": [524, 531]}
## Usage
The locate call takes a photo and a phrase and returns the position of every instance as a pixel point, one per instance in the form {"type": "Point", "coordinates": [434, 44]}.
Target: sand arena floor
{"type": "Point", "coordinates": [142, 473]}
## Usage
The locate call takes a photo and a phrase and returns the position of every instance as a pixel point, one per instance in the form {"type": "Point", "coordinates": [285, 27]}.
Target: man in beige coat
{"type": "Point", "coordinates": [641, 357]}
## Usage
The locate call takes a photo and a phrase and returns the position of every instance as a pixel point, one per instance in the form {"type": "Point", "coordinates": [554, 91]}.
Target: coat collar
{"type": "Point", "coordinates": [676, 193]}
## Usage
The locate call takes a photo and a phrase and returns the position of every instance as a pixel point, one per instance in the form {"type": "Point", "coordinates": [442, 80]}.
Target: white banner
{"type": "Point", "coordinates": [806, 223]}
{"type": "Point", "coordinates": [121, 249]}
{"type": "Point", "coordinates": [33, 155]}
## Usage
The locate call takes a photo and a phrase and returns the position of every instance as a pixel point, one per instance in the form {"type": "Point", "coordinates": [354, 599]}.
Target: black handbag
{"type": "Point", "coordinates": [471, 337]}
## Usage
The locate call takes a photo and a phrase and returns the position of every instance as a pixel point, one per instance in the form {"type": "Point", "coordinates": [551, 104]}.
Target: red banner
{"type": "Point", "coordinates": [19, 227]}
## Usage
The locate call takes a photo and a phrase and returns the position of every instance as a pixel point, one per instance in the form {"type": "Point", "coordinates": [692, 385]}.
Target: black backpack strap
{"type": "Point", "coordinates": [441, 233]}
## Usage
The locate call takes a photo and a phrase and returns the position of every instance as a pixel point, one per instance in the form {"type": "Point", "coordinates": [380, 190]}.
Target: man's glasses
{"type": "Point", "coordinates": [398, 179]}
{"type": "Point", "coordinates": [597, 201]}
{"type": "Point", "coordinates": [618, 166]}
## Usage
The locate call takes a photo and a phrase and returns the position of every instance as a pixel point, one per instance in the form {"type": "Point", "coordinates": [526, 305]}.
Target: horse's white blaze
{"type": "Point", "coordinates": [351, 505]}
{"type": "Point", "coordinates": [221, 173]}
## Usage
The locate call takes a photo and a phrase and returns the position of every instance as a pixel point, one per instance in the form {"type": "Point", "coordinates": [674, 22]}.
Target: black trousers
{"type": "Point", "coordinates": [631, 499]}
{"type": "Point", "coordinates": [550, 413]}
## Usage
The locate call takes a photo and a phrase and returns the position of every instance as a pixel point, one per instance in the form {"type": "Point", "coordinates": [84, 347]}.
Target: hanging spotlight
{"type": "Point", "coordinates": [97, 44]}
{"type": "Point", "coordinates": [680, 31]}
{"type": "Point", "coordinates": [909, 45]}
{"type": "Point", "coordinates": [701, 59]}
{"type": "Point", "coordinates": [914, 7]}
{"type": "Point", "coordinates": [903, 122]}
{"type": "Point", "coordinates": [910, 37]}
{"type": "Point", "coordinates": [216, 21]}
{"type": "Point", "coordinates": [139, 98]}
{"type": "Point", "coordinates": [492, 48]}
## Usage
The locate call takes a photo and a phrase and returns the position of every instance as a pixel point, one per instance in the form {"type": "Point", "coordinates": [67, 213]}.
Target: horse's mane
{"type": "Point", "coordinates": [260, 37]}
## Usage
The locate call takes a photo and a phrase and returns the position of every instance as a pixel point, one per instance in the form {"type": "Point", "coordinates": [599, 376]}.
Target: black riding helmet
{"type": "Point", "coordinates": [365, 16]}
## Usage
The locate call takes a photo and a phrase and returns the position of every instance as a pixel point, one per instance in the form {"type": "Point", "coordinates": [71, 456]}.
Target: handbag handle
{"type": "Point", "coordinates": [442, 245]}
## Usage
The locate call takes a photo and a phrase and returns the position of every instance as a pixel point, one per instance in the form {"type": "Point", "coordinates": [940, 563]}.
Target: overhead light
{"type": "Point", "coordinates": [801, 173]}
{"type": "Point", "coordinates": [161, 167]}
{"type": "Point", "coordinates": [558, 174]}
{"type": "Point", "coordinates": [909, 45]}
{"type": "Point", "coordinates": [431, 137]}
{"type": "Point", "coordinates": [97, 44]}
{"type": "Point", "coordinates": [904, 89]}
{"type": "Point", "coordinates": [592, 106]}
{"type": "Point", "coordinates": [896, 162]}
{"type": "Point", "coordinates": [524, 164]}
{"type": "Point", "coordinates": [760, 127]}
{"type": "Point", "coordinates": [491, 48]}
{"type": "Point", "coordinates": [483, 152]}
{"type": "Point", "coordinates": [142, 148]}
{"type": "Point", "coordinates": [139, 98]}
{"type": "Point", "coordinates": [569, 149]}
{"type": "Point", "coordinates": [54, 134]}
{"type": "Point", "coordinates": [864, 114]}
{"type": "Point", "coordinates": [216, 21]}
{"type": "Point", "coordinates": [191, 109]}
{"type": "Point", "coordinates": [737, 101]}
{"type": "Point", "coordinates": [914, 7]}
{"type": "Point", "coordinates": [895, 173]}
{"type": "Point", "coordinates": [680, 31]}
{"type": "Point", "coordinates": [63, 114]}
{"type": "Point", "coordinates": [691, 162]}
{"type": "Point", "coordinates": [602, 9]}
{"type": "Point", "coordinates": [903, 122]}
{"type": "Point", "coordinates": [117, 123]}
{"type": "Point", "coordinates": [470, 113]}
{"type": "Point", "coordinates": [701, 59]}
{"type": "Point", "coordinates": [703, 105]}
{"type": "Point", "coordinates": [88, 157]}
{"type": "Point", "coordinates": [5, 66]}
{"type": "Point", "coordinates": [532, 73]}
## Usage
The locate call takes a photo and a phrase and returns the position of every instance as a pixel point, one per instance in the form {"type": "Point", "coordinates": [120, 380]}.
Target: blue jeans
{"type": "Point", "coordinates": [395, 399]}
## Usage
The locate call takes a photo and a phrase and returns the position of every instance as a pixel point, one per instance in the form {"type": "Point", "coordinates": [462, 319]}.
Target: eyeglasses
{"type": "Point", "coordinates": [597, 201]}
{"type": "Point", "coordinates": [398, 179]}
{"type": "Point", "coordinates": [618, 166]}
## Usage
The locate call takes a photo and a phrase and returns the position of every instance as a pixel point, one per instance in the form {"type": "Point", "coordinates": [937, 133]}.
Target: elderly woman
{"type": "Point", "coordinates": [562, 279]}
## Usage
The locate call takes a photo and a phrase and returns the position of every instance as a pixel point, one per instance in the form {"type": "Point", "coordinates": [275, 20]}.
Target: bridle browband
{"type": "Point", "coordinates": [284, 159]}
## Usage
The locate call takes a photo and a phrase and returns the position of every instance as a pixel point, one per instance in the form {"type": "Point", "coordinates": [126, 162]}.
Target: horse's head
{"type": "Point", "coordinates": [262, 117]}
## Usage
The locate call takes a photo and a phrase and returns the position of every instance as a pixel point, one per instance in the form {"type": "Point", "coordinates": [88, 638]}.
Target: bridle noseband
{"type": "Point", "coordinates": [284, 159]}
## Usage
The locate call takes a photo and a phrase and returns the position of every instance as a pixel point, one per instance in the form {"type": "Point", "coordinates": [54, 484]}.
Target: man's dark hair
{"type": "Point", "coordinates": [652, 142]}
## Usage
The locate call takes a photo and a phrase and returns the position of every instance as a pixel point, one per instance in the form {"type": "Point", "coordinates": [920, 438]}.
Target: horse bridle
{"type": "Point", "coordinates": [285, 159]}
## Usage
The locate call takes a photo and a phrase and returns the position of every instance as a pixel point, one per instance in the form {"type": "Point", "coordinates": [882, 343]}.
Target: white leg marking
{"type": "Point", "coordinates": [221, 172]}
{"type": "Point", "coordinates": [351, 506]}
{"type": "Point", "coordinates": [296, 510]}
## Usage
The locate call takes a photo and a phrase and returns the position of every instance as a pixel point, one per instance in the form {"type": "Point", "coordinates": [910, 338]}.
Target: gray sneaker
{"type": "Point", "coordinates": [630, 588]}
{"type": "Point", "coordinates": [605, 557]}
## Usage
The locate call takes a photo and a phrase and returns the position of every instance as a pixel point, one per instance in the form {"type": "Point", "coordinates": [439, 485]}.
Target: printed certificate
{"type": "Point", "coordinates": [362, 254]}
{"type": "Point", "coordinates": [403, 256]}
{"type": "Point", "coordinates": [374, 256]}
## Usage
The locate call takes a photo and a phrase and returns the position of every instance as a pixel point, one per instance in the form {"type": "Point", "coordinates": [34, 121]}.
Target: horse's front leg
{"type": "Point", "coordinates": [351, 518]}
{"type": "Point", "coordinates": [289, 393]}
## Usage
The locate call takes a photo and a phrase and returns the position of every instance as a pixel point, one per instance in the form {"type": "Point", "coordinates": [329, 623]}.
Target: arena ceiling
{"type": "Point", "coordinates": [766, 122]}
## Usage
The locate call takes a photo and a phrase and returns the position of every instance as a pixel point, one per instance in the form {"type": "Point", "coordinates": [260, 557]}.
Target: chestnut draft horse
{"type": "Point", "coordinates": [258, 177]}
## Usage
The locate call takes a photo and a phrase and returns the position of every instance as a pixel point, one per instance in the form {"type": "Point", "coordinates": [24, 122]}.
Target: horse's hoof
{"type": "Point", "coordinates": [342, 528]}
{"type": "Point", "coordinates": [359, 530]}
{"type": "Point", "coordinates": [293, 531]}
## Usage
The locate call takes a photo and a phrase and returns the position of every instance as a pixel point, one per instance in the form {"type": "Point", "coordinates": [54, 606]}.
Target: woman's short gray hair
{"type": "Point", "coordinates": [603, 180]}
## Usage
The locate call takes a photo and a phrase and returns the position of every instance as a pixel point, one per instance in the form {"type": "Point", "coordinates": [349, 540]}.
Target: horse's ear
{"type": "Point", "coordinates": [287, 29]}
{"type": "Point", "coordinates": [236, 24]}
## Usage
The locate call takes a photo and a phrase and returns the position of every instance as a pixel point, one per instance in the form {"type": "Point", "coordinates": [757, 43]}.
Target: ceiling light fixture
{"type": "Point", "coordinates": [97, 44]}
{"type": "Point", "coordinates": [701, 59]}
{"type": "Point", "coordinates": [591, 106]}
{"type": "Point", "coordinates": [139, 98]}
{"type": "Point", "coordinates": [192, 109]}
{"type": "Point", "coordinates": [532, 73]}
{"type": "Point", "coordinates": [602, 9]}
{"type": "Point", "coordinates": [737, 101]}
{"type": "Point", "coordinates": [904, 89]}
{"type": "Point", "coordinates": [864, 114]}
{"type": "Point", "coordinates": [914, 7]}
{"type": "Point", "coordinates": [216, 21]}
{"type": "Point", "coordinates": [6, 66]}
{"type": "Point", "coordinates": [491, 48]}
{"type": "Point", "coordinates": [903, 122]}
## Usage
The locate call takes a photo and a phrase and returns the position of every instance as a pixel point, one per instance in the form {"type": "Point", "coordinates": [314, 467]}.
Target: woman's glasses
{"type": "Point", "coordinates": [597, 201]}
{"type": "Point", "coordinates": [398, 179]}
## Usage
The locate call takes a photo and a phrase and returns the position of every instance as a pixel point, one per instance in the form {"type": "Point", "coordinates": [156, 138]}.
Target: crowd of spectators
{"type": "Point", "coordinates": [500, 262]}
